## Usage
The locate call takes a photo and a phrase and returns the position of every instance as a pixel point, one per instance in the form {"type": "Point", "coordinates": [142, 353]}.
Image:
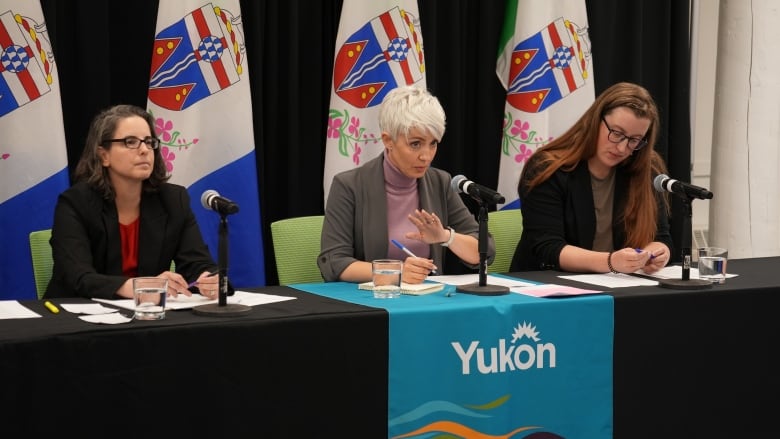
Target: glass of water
{"type": "Point", "coordinates": [149, 294]}
{"type": "Point", "coordinates": [712, 264]}
{"type": "Point", "coordinates": [386, 275]}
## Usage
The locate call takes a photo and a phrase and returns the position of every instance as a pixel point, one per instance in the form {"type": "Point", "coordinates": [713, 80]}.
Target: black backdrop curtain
{"type": "Point", "coordinates": [103, 53]}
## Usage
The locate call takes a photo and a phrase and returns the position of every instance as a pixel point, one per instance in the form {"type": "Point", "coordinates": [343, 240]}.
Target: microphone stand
{"type": "Point", "coordinates": [686, 283]}
{"type": "Point", "coordinates": [222, 308]}
{"type": "Point", "coordinates": [481, 288]}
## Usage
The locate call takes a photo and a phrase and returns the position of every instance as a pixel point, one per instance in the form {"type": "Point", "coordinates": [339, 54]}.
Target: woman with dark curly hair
{"type": "Point", "coordinates": [122, 219]}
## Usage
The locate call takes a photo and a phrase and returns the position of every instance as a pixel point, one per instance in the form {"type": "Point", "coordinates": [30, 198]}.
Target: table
{"type": "Point", "coordinates": [309, 367]}
{"type": "Point", "coordinates": [686, 363]}
{"type": "Point", "coordinates": [689, 363]}
{"type": "Point", "coordinates": [464, 365]}
{"type": "Point", "coordinates": [696, 363]}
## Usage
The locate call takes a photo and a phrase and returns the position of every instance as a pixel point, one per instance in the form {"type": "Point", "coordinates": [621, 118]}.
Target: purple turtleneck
{"type": "Point", "coordinates": [402, 199]}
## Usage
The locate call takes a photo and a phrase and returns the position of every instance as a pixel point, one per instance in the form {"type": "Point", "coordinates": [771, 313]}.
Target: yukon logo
{"type": "Point", "coordinates": [510, 356]}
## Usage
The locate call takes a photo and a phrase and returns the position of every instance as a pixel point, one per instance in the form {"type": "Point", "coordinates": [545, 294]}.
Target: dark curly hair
{"type": "Point", "coordinates": [90, 168]}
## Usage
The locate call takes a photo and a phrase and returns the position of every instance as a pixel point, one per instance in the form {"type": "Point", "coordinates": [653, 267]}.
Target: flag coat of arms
{"type": "Point", "coordinates": [379, 47]}
{"type": "Point", "coordinates": [545, 65]}
{"type": "Point", "coordinates": [33, 154]}
{"type": "Point", "coordinates": [200, 97]}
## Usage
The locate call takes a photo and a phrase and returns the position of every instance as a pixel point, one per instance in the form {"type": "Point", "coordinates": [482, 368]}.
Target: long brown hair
{"type": "Point", "coordinates": [90, 168]}
{"type": "Point", "coordinates": [580, 143]}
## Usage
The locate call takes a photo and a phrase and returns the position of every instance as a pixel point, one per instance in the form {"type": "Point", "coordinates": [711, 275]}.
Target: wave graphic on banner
{"type": "Point", "coordinates": [442, 413]}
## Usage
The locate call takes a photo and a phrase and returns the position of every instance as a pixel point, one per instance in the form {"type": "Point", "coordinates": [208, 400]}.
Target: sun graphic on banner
{"type": "Point", "coordinates": [525, 330]}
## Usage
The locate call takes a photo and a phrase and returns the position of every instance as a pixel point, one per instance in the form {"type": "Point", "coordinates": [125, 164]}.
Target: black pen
{"type": "Point", "coordinates": [195, 282]}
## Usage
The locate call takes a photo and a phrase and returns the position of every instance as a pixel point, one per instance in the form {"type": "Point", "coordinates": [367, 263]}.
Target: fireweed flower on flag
{"type": "Point", "coordinates": [544, 63]}
{"type": "Point", "coordinates": [198, 89]}
{"type": "Point", "coordinates": [378, 42]}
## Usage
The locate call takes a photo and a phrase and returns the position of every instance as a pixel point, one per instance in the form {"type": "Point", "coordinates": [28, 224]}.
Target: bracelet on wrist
{"type": "Point", "coordinates": [452, 238]}
{"type": "Point", "coordinates": [609, 263]}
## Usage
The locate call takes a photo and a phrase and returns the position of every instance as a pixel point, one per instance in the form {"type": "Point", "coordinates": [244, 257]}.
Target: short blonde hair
{"type": "Point", "coordinates": [404, 108]}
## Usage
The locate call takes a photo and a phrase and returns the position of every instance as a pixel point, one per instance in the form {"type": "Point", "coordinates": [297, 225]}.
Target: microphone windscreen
{"type": "Point", "coordinates": [456, 181]}
{"type": "Point", "coordinates": [206, 197]}
{"type": "Point", "coordinates": [658, 182]}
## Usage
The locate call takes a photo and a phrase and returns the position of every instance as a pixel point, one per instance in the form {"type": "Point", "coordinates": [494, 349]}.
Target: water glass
{"type": "Point", "coordinates": [149, 295]}
{"type": "Point", "coordinates": [386, 276]}
{"type": "Point", "coordinates": [712, 264]}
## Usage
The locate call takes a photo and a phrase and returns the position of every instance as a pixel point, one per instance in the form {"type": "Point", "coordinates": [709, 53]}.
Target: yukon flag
{"type": "Point", "coordinates": [33, 156]}
{"type": "Point", "coordinates": [544, 63]}
{"type": "Point", "coordinates": [200, 98]}
{"type": "Point", "coordinates": [379, 47]}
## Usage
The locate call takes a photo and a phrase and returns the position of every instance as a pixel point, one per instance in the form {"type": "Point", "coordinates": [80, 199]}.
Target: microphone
{"type": "Point", "coordinates": [663, 183]}
{"type": "Point", "coordinates": [461, 184]}
{"type": "Point", "coordinates": [212, 201]}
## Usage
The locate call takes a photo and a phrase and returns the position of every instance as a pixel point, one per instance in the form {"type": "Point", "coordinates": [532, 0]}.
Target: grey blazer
{"type": "Point", "coordinates": [355, 225]}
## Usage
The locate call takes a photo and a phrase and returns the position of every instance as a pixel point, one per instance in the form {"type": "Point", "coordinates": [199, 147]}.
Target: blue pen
{"type": "Point", "coordinates": [409, 252]}
{"type": "Point", "coordinates": [639, 250]}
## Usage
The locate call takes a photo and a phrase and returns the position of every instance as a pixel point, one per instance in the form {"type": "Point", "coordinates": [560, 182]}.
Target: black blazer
{"type": "Point", "coordinates": [560, 211]}
{"type": "Point", "coordinates": [86, 244]}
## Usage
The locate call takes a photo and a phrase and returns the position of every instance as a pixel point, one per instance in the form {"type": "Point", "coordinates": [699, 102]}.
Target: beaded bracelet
{"type": "Point", "coordinates": [609, 263]}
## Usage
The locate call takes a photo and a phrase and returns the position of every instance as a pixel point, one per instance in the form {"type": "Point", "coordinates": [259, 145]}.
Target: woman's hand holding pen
{"type": "Point", "coordinates": [659, 257]}
{"type": "Point", "coordinates": [176, 283]}
{"type": "Point", "coordinates": [628, 260]}
{"type": "Point", "coordinates": [208, 284]}
{"type": "Point", "coordinates": [650, 259]}
{"type": "Point", "coordinates": [416, 270]}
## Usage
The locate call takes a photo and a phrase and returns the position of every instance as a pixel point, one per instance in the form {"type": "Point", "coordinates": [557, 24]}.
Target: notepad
{"type": "Point", "coordinates": [410, 289]}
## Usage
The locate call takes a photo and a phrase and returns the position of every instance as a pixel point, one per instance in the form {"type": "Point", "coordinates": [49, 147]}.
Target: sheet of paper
{"type": "Point", "coordinates": [186, 302]}
{"type": "Point", "coordinates": [465, 279]}
{"type": "Point", "coordinates": [611, 280]}
{"type": "Point", "coordinates": [675, 272]}
{"type": "Point", "coordinates": [552, 290]}
{"type": "Point", "coordinates": [113, 318]}
{"type": "Point", "coordinates": [86, 308]}
{"type": "Point", "coordinates": [11, 309]}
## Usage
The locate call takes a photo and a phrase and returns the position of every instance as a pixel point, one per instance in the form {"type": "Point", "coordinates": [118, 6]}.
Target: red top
{"type": "Point", "coordinates": [129, 237]}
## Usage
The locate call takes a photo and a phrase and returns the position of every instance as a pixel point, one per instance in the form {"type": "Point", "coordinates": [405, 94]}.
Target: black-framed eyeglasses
{"type": "Point", "coordinates": [133, 142]}
{"type": "Point", "coordinates": [616, 137]}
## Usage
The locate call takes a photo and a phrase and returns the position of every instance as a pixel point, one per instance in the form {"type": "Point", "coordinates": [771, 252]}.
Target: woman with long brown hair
{"type": "Point", "coordinates": [587, 197]}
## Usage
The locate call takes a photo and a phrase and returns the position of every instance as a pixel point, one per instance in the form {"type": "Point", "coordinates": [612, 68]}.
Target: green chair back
{"type": "Point", "coordinates": [296, 247]}
{"type": "Point", "coordinates": [42, 261]}
{"type": "Point", "coordinates": [506, 226]}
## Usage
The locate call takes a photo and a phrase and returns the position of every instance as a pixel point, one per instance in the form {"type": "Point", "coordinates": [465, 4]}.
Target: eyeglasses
{"type": "Point", "coordinates": [614, 136]}
{"type": "Point", "coordinates": [133, 142]}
